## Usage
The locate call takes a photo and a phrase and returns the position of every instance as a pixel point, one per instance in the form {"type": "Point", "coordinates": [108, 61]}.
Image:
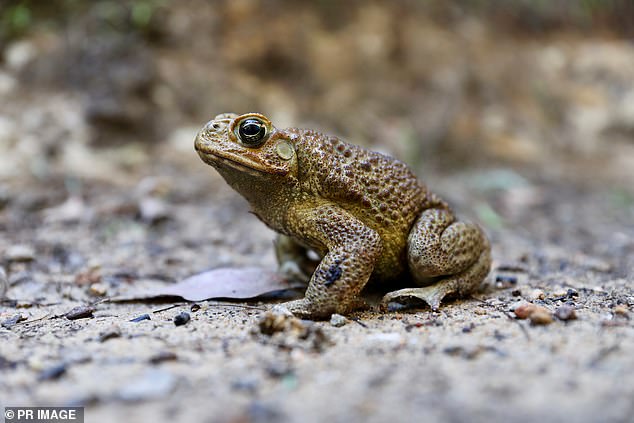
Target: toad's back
{"type": "Point", "coordinates": [379, 190]}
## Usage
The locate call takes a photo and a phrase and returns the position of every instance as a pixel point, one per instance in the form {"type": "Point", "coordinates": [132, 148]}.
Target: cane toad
{"type": "Point", "coordinates": [365, 214]}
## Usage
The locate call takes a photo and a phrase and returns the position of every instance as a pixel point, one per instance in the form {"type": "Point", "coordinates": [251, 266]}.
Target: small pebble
{"type": "Point", "coordinates": [89, 277]}
{"type": "Point", "coordinates": [6, 364]}
{"type": "Point", "coordinates": [273, 322]}
{"type": "Point", "coordinates": [468, 328]}
{"type": "Point", "coordinates": [621, 310]}
{"type": "Point", "coordinates": [566, 312]}
{"type": "Point", "coordinates": [52, 373]}
{"type": "Point", "coordinates": [505, 281]}
{"type": "Point", "coordinates": [523, 311]}
{"type": "Point", "coordinates": [337, 320]}
{"type": "Point", "coordinates": [36, 364]}
{"type": "Point", "coordinates": [536, 294]}
{"type": "Point", "coordinates": [141, 318]}
{"type": "Point", "coordinates": [97, 289]}
{"type": "Point", "coordinates": [541, 316]}
{"type": "Point", "coordinates": [163, 356]}
{"type": "Point", "coordinates": [517, 304]}
{"type": "Point", "coordinates": [81, 312]}
{"type": "Point", "coordinates": [20, 253]}
{"type": "Point", "coordinates": [12, 321]}
{"type": "Point", "coordinates": [181, 318]}
{"type": "Point", "coordinates": [18, 54]}
{"type": "Point", "coordinates": [538, 315]}
{"type": "Point", "coordinates": [278, 370]}
{"type": "Point", "coordinates": [468, 353]}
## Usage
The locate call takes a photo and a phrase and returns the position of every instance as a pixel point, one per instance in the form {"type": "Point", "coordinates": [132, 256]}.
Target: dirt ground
{"type": "Point", "coordinates": [553, 244]}
{"type": "Point", "coordinates": [521, 117]}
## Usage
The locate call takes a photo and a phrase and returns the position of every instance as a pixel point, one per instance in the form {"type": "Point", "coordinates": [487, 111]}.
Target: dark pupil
{"type": "Point", "coordinates": [252, 131]}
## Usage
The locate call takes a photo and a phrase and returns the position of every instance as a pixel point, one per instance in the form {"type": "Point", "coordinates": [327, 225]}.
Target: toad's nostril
{"type": "Point", "coordinates": [212, 126]}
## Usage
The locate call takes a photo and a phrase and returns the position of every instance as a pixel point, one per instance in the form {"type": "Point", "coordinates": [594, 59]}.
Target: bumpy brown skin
{"type": "Point", "coordinates": [366, 214]}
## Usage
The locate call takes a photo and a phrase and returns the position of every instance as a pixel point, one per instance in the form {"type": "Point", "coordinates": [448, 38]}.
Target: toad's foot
{"type": "Point", "coordinates": [431, 295]}
{"type": "Point", "coordinates": [304, 309]}
{"type": "Point", "coordinates": [461, 284]}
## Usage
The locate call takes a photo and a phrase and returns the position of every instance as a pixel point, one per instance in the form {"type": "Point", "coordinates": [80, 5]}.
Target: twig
{"type": "Point", "coordinates": [359, 322]}
{"type": "Point", "coordinates": [168, 307]}
{"type": "Point", "coordinates": [101, 301]}
{"type": "Point", "coordinates": [35, 320]}
{"type": "Point", "coordinates": [239, 305]}
{"type": "Point", "coordinates": [12, 302]}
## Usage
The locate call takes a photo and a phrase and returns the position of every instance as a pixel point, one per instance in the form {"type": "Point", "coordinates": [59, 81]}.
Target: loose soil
{"type": "Point", "coordinates": [554, 244]}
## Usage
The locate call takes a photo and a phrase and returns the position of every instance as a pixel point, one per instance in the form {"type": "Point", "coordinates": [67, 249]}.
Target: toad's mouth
{"type": "Point", "coordinates": [217, 160]}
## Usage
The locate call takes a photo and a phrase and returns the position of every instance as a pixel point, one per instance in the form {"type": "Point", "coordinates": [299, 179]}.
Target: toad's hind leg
{"type": "Point", "coordinates": [457, 255]}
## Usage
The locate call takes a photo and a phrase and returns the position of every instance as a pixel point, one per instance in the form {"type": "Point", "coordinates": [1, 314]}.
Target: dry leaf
{"type": "Point", "coordinates": [231, 283]}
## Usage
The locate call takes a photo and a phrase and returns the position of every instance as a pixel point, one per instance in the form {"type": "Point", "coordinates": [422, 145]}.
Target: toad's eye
{"type": "Point", "coordinates": [252, 132]}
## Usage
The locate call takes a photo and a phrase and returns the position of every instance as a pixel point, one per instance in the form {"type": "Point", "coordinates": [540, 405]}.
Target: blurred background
{"type": "Point", "coordinates": [519, 113]}
{"type": "Point", "coordinates": [88, 89]}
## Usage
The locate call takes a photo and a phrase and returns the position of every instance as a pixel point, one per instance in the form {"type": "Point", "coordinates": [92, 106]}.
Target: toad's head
{"type": "Point", "coordinates": [246, 144]}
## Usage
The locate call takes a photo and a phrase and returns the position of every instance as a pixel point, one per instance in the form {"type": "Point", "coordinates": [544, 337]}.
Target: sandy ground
{"type": "Point", "coordinates": [561, 246]}
{"type": "Point", "coordinates": [102, 195]}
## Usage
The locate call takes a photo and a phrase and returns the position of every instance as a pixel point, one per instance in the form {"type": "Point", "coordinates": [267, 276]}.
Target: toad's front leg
{"type": "Point", "coordinates": [352, 252]}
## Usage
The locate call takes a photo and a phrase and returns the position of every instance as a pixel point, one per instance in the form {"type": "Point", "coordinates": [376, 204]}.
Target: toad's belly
{"type": "Point", "coordinates": [393, 261]}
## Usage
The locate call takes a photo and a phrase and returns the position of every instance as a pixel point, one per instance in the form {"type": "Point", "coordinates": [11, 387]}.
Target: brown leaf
{"type": "Point", "coordinates": [231, 283]}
